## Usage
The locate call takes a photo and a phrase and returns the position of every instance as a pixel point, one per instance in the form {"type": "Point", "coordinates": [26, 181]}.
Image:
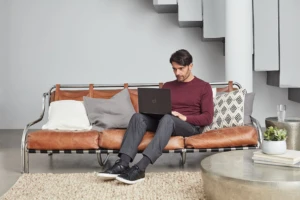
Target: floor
{"type": "Point", "coordinates": [10, 161]}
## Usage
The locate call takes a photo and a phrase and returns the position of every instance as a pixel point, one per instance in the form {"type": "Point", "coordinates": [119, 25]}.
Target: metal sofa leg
{"type": "Point", "coordinates": [183, 157]}
{"type": "Point", "coordinates": [100, 160]}
{"type": "Point", "coordinates": [25, 160]}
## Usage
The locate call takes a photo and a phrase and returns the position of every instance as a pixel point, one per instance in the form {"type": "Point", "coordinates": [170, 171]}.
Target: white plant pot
{"type": "Point", "coordinates": [274, 147]}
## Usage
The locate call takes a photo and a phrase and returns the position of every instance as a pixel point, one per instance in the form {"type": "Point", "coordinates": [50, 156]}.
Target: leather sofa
{"type": "Point", "coordinates": [109, 141]}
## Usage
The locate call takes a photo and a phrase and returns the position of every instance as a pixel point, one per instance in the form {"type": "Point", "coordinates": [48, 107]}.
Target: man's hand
{"type": "Point", "coordinates": [180, 116]}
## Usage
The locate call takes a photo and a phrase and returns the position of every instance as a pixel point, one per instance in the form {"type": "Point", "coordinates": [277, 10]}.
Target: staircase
{"type": "Point", "coordinates": [276, 31]}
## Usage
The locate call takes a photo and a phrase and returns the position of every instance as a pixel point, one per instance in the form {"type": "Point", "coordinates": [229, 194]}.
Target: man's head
{"type": "Point", "coordinates": [182, 63]}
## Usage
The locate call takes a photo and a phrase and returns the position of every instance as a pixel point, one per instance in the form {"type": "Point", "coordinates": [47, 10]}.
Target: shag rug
{"type": "Point", "coordinates": [164, 185]}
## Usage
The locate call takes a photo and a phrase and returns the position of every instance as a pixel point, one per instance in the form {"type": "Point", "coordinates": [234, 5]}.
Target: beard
{"type": "Point", "coordinates": [182, 78]}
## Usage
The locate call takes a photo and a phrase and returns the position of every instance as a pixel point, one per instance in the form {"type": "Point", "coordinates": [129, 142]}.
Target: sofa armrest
{"type": "Point", "coordinates": [37, 120]}
{"type": "Point", "coordinates": [25, 131]}
{"type": "Point", "coordinates": [256, 123]}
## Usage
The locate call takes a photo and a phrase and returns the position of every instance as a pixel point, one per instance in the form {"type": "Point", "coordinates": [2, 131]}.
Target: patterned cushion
{"type": "Point", "coordinates": [228, 110]}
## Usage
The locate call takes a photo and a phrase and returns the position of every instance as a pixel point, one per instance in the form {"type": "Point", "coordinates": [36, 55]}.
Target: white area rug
{"type": "Point", "coordinates": [165, 185]}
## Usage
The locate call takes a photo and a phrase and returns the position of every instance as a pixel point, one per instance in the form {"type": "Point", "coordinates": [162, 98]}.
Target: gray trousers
{"type": "Point", "coordinates": [164, 128]}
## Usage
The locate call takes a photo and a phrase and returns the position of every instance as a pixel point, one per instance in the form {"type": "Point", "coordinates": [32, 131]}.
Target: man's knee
{"type": "Point", "coordinates": [138, 117]}
{"type": "Point", "coordinates": [167, 119]}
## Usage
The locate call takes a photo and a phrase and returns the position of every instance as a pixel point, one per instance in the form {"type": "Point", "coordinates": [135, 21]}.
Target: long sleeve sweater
{"type": "Point", "coordinates": [193, 99]}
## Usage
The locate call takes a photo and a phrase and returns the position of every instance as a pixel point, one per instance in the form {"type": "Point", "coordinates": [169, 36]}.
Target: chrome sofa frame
{"type": "Point", "coordinates": [46, 97]}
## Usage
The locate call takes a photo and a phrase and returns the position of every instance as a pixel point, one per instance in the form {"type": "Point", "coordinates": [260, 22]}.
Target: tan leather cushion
{"type": "Point", "coordinates": [224, 137]}
{"type": "Point", "coordinates": [112, 139]}
{"type": "Point", "coordinates": [62, 140]}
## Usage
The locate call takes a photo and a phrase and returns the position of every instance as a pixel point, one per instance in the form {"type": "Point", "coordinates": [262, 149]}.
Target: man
{"type": "Point", "coordinates": [192, 109]}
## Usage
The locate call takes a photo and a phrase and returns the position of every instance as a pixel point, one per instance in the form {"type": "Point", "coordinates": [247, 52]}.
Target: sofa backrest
{"type": "Point", "coordinates": [101, 92]}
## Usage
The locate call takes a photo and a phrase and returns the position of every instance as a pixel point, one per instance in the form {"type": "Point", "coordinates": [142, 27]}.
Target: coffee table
{"type": "Point", "coordinates": [233, 175]}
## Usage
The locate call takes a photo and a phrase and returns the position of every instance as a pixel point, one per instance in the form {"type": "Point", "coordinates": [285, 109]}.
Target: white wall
{"type": "Point", "coordinates": [267, 97]}
{"type": "Point", "coordinates": [4, 61]}
{"type": "Point", "coordinates": [100, 41]}
{"type": "Point", "coordinates": [95, 41]}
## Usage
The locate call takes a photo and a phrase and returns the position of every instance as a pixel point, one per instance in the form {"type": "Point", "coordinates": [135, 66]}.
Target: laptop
{"type": "Point", "coordinates": [154, 101]}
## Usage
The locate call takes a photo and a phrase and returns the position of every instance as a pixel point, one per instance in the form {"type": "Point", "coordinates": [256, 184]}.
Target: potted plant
{"type": "Point", "coordinates": [274, 141]}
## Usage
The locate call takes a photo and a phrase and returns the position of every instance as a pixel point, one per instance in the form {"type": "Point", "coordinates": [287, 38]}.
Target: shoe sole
{"type": "Point", "coordinates": [128, 181]}
{"type": "Point", "coordinates": [107, 176]}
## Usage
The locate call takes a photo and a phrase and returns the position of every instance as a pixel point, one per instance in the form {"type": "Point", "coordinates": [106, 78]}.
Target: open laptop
{"type": "Point", "coordinates": [154, 101]}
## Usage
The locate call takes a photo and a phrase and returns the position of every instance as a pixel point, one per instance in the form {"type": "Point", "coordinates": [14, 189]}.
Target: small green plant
{"type": "Point", "coordinates": [275, 134]}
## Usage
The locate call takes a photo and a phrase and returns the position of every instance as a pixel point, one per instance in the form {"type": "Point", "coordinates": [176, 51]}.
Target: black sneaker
{"type": "Point", "coordinates": [114, 171]}
{"type": "Point", "coordinates": [132, 176]}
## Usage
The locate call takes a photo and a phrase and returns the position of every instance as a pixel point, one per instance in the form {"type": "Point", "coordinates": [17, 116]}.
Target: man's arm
{"type": "Point", "coordinates": [207, 108]}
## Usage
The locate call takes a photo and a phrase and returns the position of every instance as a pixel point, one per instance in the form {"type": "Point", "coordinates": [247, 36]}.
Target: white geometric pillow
{"type": "Point", "coordinates": [228, 110]}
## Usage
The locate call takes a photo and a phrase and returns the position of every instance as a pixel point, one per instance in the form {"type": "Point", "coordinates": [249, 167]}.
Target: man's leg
{"type": "Point", "coordinates": [169, 125]}
{"type": "Point", "coordinates": [137, 127]}
{"type": "Point", "coordinates": [134, 134]}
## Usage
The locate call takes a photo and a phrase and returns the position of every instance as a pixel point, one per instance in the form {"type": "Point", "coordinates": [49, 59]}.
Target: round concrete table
{"type": "Point", "coordinates": [233, 175]}
{"type": "Point", "coordinates": [292, 125]}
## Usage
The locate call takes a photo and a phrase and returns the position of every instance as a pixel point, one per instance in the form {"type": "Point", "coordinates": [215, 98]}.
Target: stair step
{"type": "Point", "coordinates": [289, 31]}
{"type": "Point", "coordinates": [289, 43]}
{"type": "Point", "coordinates": [273, 78]}
{"type": "Point", "coordinates": [266, 43]}
{"type": "Point", "coordinates": [165, 6]}
{"type": "Point", "coordinates": [213, 18]}
{"type": "Point", "coordinates": [294, 94]}
{"type": "Point", "coordinates": [190, 13]}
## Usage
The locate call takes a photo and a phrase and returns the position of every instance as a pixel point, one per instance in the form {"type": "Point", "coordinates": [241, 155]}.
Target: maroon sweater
{"type": "Point", "coordinates": [193, 99]}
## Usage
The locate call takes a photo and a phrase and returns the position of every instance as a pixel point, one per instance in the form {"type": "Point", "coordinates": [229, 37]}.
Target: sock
{"type": "Point", "coordinates": [143, 163]}
{"type": "Point", "coordinates": [125, 159]}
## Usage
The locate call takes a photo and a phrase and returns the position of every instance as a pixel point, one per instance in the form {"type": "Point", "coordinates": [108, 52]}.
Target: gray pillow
{"type": "Point", "coordinates": [248, 106]}
{"type": "Point", "coordinates": [109, 113]}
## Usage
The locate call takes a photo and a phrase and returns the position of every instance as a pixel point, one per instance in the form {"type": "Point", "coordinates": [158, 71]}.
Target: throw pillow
{"type": "Point", "coordinates": [248, 106]}
{"type": "Point", "coordinates": [67, 115]}
{"type": "Point", "coordinates": [214, 91]}
{"type": "Point", "coordinates": [109, 113]}
{"type": "Point", "coordinates": [248, 109]}
{"type": "Point", "coordinates": [228, 110]}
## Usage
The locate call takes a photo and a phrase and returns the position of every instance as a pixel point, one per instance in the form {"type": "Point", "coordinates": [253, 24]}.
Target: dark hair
{"type": "Point", "coordinates": [181, 57]}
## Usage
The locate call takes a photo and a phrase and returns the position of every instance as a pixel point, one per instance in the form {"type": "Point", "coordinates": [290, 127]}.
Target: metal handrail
{"type": "Point", "coordinates": [129, 85]}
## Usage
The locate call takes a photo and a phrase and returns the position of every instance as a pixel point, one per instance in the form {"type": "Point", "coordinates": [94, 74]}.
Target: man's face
{"type": "Point", "coordinates": [181, 72]}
